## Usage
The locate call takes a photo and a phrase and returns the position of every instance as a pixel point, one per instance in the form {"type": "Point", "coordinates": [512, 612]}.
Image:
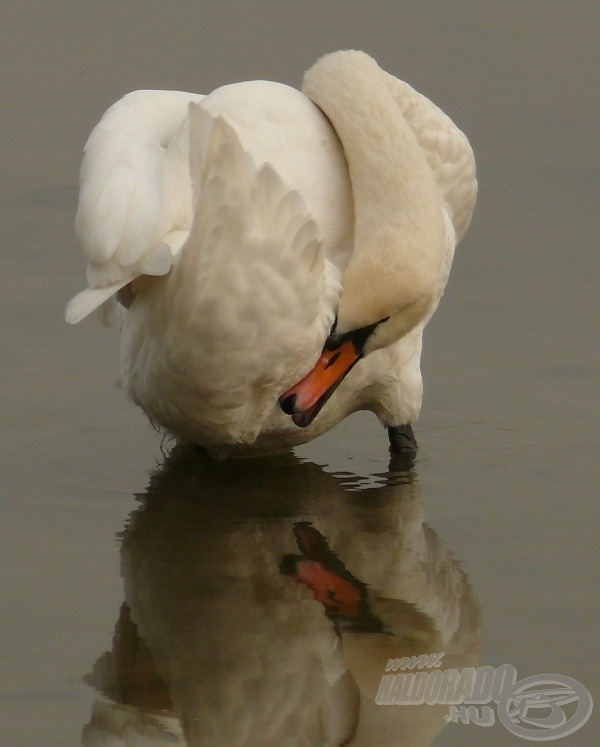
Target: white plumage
{"type": "Point", "coordinates": [234, 227]}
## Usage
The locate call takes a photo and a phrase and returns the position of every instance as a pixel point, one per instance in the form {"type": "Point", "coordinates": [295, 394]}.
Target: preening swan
{"type": "Point", "coordinates": [265, 247]}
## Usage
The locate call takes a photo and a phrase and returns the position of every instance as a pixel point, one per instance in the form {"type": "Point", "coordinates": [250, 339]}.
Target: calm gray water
{"type": "Point", "coordinates": [118, 564]}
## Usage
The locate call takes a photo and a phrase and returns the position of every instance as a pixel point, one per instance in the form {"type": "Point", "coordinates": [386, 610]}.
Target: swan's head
{"type": "Point", "coordinates": [397, 269]}
{"type": "Point", "coordinates": [379, 305]}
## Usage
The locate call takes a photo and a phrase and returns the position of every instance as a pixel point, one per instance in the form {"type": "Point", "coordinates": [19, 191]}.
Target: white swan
{"type": "Point", "coordinates": [255, 231]}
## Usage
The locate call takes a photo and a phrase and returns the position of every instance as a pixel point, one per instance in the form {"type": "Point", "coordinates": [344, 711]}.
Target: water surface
{"type": "Point", "coordinates": [133, 581]}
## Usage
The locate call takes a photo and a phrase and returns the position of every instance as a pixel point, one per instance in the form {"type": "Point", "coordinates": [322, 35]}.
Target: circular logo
{"type": "Point", "coordinates": [545, 707]}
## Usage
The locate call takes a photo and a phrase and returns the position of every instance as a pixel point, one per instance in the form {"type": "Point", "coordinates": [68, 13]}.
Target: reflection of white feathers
{"type": "Point", "coordinates": [227, 223]}
{"type": "Point", "coordinates": [122, 726]}
{"type": "Point", "coordinates": [248, 655]}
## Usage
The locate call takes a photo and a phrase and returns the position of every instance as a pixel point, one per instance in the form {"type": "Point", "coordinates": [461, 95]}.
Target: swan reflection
{"type": "Point", "coordinates": [263, 600]}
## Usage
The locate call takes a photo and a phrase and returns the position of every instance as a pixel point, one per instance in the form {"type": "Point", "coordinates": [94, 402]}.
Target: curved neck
{"type": "Point", "coordinates": [390, 176]}
{"type": "Point", "coordinates": [399, 240]}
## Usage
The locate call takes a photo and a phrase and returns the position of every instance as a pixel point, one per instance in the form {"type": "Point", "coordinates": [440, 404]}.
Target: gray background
{"type": "Point", "coordinates": [509, 429]}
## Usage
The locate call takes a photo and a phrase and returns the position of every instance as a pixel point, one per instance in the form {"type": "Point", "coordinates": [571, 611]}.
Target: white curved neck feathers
{"type": "Point", "coordinates": [399, 224]}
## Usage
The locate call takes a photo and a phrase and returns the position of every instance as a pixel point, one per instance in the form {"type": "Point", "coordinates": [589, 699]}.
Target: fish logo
{"type": "Point", "coordinates": [544, 707]}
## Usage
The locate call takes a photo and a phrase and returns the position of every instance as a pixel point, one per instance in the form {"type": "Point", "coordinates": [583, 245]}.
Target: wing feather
{"type": "Point", "coordinates": [253, 266]}
{"type": "Point", "coordinates": [134, 181]}
{"type": "Point", "coordinates": [447, 150]}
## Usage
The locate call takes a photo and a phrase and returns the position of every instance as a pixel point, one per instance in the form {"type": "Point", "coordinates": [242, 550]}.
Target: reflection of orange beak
{"type": "Point", "coordinates": [305, 399]}
{"type": "Point", "coordinates": [336, 594]}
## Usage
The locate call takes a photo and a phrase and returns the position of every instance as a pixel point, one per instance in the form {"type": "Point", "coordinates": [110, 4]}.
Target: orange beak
{"type": "Point", "coordinates": [305, 399]}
